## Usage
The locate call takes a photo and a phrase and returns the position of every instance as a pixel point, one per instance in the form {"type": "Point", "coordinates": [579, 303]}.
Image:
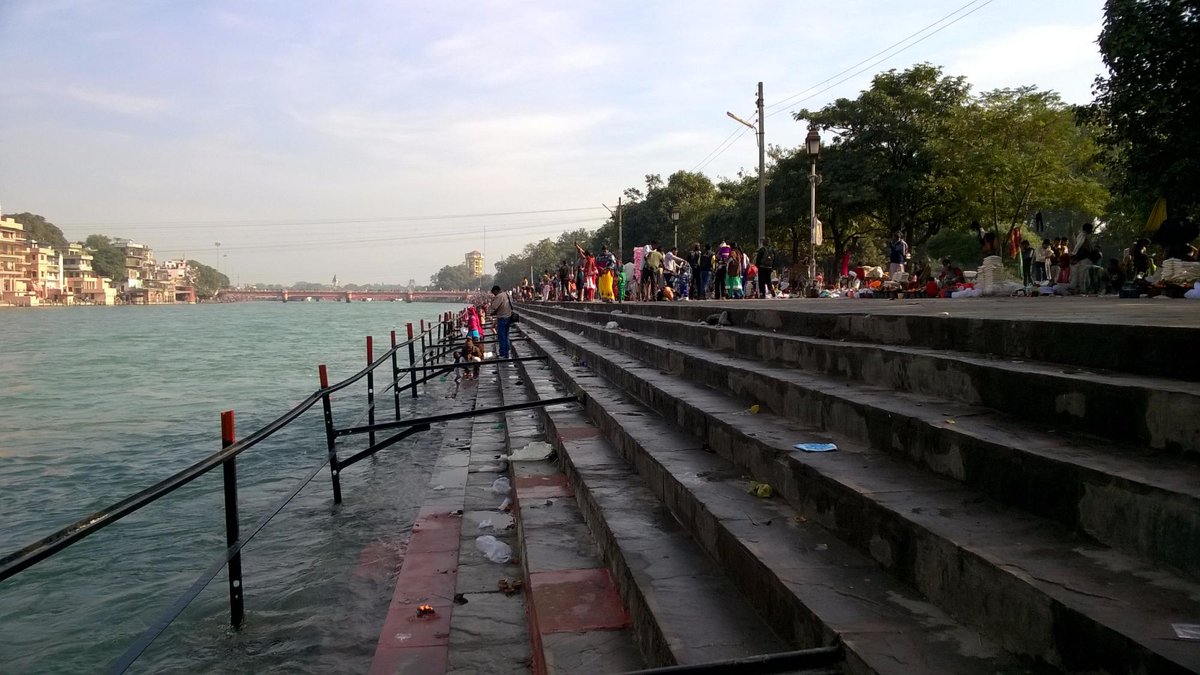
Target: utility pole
{"type": "Point", "coordinates": [762, 170]}
{"type": "Point", "coordinates": [762, 163]}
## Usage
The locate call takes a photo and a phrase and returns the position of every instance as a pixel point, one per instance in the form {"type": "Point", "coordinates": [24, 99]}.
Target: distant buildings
{"type": "Point", "coordinates": [475, 264]}
{"type": "Point", "coordinates": [34, 273]}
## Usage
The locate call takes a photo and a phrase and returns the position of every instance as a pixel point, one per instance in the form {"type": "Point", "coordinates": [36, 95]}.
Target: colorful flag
{"type": "Point", "coordinates": [1157, 215]}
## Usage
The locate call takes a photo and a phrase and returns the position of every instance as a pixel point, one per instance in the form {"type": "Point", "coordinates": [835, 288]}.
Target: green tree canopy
{"type": "Point", "coordinates": [1146, 106]}
{"type": "Point", "coordinates": [206, 279]}
{"type": "Point", "coordinates": [39, 229]}
{"type": "Point", "coordinates": [107, 260]}
{"type": "Point", "coordinates": [889, 135]}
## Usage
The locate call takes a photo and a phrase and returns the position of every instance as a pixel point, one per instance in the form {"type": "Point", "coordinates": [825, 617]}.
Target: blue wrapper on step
{"type": "Point", "coordinates": [815, 447]}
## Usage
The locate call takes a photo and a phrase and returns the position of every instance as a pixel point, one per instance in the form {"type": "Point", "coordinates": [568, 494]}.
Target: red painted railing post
{"type": "Point", "coordinates": [395, 377]}
{"type": "Point", "coordinates": [412, 362]}
{"type": "Point", "coordinates": [330, 438]}
{"type": "Point", "coordinates": [237, 610]}
{"type": "Point", "coordinates": [370, 389]}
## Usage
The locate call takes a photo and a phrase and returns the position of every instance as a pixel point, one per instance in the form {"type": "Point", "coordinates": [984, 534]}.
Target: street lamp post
{"type": "Point", "coordinates": [812, 145]}
{"type": "Point", "coordinates": [675, 221]}
{"type": "Point", "coordinates": [762, 162]}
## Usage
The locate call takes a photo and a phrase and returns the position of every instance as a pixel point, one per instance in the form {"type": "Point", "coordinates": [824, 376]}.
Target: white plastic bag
{"type": "Point", "coordinates": [501, 486]}
{"type": "Point", "coordinates": [493, 549]}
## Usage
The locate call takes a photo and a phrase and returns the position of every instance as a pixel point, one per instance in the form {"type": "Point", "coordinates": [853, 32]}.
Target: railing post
{"type": "Point", "coordinates": [330, 439]}
{"type": "Point", "coordinates": [395, 377]}
{"type": "Point", "coordinates": [412, 362]}
{"type": "Point", "coordinates": [370, 388]}
{"type": "Point", "coordinates": [424, 347]}
{"type": "Point", "coordinates": [237, 610]}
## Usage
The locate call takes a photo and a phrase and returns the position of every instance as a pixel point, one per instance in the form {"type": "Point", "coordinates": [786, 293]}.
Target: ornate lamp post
{"type": "Point", "coordinates": [812, 145]}
{"type": "Point", "coordinates": [675, 221]}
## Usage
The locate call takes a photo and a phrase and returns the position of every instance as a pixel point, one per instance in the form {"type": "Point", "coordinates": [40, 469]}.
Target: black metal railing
{"type": "Point", "coordinates": [436, 340]}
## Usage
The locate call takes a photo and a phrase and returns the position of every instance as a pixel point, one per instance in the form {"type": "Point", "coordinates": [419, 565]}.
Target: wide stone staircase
{"type": "Point", "coordinates": [987, 510]}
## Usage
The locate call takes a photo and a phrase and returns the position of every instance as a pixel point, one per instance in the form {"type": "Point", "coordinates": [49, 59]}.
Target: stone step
{"type": "Point", "coordinates": [1141, 502]}
{"type": "Point", "coordinates": [1098, 334]}
{"type": "Point", "coordinates": [577, 623]}
{"type": "Point", "coordinates": [682, 609]}
{"type": "Point", "coordinates": [1038, 590]}
{"type": "Point", "coordinates": [811, 587]}
{"type": "Point", "coordinates": [1124, 408]}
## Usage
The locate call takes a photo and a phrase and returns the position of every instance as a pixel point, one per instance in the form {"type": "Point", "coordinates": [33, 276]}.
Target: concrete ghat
{"type": "Point", "coordinates": [1126, 408]}
{"type": "Point", "coordinates": [577, 623]}
{"type": "Point", "coordinates": [1143, 503]}
{"type": "Point", "coordinates": [1152, 338]}
{"type": "Point", "coordinates": [681, 608]}
{"type": "Point", "coordinates": [1039, 592]}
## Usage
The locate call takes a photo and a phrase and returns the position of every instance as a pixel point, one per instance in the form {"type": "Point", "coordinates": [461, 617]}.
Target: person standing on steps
{"type": "Point", "coordinates": [501, 309]}
{"type": "Point", "coordinates": [764, 259]}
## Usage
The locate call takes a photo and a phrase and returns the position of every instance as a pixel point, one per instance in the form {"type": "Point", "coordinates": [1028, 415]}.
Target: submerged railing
{"type": "Point", "coordinates": [435, 339]}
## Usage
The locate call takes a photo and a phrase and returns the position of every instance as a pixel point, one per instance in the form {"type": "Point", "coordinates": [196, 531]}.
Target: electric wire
{"type": "Point", "coordinates": [713, 155]}
{"type": "Point", "coordinates": [784, 101]}
{"type": "Point", "coordinates": [885, 58]}
{"type": "Point", "coordinates": [321, 221]}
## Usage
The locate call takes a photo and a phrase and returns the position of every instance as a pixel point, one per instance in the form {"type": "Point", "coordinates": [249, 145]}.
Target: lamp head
{"type": "Point", "coordinates": [812, 142]}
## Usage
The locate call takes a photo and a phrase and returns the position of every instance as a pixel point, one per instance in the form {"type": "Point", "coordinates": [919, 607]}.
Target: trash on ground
{"type": "Point", "coordinates": [510, 586]}
{"type": "Point", "coordinates": [534, 452]}
{"type": "Point", "coordinates": [501, 486]}
{"type": "Point", "coordinates": [493, 549]}
{"type": "Point", "coordinates": [425, 611]}
{"type": "Point", "coordinates": [611, 325]}
{"type": "Point", "coordinates": [816, 447]}
{"type": "Point", "coordinates": [755, 408]}
{"type": "Point", "coordinates": [506, 505]}
{"type": "Point", "coordinates": [439, 488]}
{"type": "Point", "coordinates": [1187, 631]}
{"type": "Point", "coordinates": [460, 599]}
{"type": "Point", "coordinates": [822, 547]}
{"type": "Point", "coordinates": [486, 525]}
{"type": "Point", "coordinates": [760, 489]}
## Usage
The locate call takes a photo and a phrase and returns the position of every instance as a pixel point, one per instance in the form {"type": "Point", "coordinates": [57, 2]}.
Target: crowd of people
{"type": "Point", "coordinates": [726, 271]}
{"type": "Point", "coordinates": [720, 271]}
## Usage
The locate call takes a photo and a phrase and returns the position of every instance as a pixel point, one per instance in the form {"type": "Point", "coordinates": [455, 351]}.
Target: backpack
{"type": "Point", "coordinates": [765, 258]}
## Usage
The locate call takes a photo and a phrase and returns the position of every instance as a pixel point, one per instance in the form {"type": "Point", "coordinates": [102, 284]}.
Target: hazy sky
{"type": "Point", "coordinates": [321, 138]}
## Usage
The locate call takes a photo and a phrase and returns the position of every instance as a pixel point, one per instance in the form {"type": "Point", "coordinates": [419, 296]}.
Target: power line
{"type": "Point", "coordinates": [328, 243]}
{"type": "Point", "coordinates": [728, 142]}
{"type": "Point", "coordinates": [322, 221]}
{"type": "Point", "coordinates": [885, 58]}
{"type": "Point", "coordinates": [784, 101]}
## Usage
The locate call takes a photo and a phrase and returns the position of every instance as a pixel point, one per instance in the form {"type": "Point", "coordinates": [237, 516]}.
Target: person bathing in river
{"type": "Point", "coordinates": [470, 353]}
{"type": "Point", "coordinates": [474, 325]}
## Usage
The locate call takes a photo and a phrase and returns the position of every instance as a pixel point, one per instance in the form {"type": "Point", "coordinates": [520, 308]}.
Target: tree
{"type": "Point", "coordinates": [1146, 106]}
{"type": "Point", "coordinates": [1013, 152]}
{"type": "Point", "coordinates": [888, 134]}
{"type": "Point", "coordinates": [107, 260]}
{"type": "Point", "coordinates": [206, 279]}
{"type": "Point", "coordinates": [41, 230]}
{"type": "Point", "coordinates": [457, 278]}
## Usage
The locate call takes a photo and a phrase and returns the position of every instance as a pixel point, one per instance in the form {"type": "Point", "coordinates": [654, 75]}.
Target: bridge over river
{"type": "Point", "coordinates": [235, 295]}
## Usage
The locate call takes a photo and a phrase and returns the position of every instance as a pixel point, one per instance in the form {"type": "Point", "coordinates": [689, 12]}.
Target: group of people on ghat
{"type": "Point", "coordinates": [498, 308]}
{"type": "Point", "coordinates": [721, 271]}
{"type": "Point", "coordinates": [724, 270]}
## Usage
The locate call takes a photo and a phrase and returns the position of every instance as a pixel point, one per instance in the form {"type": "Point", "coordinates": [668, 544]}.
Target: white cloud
{"type": "Point", "coordinates": [1062, 53]}
{"type": "Point", "coordinates": [115, 101]}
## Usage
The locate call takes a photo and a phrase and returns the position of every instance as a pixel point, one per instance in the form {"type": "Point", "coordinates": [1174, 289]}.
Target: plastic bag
{"type": "Point", "coordinates": [501, 486]}
{"type": "Point", "coordinates": [493, 549]}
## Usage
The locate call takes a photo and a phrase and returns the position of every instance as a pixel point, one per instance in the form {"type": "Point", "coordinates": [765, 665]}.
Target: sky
{"type": "Point", "coordinates": [377, 141]}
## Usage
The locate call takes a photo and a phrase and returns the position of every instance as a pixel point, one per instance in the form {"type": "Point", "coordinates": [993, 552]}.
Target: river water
{"type": "Point", "coordinates": [97, 403]}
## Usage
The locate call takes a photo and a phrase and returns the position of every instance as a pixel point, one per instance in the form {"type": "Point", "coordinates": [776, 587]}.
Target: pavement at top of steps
{"type": "Point", "coordinates": [1166, 312]}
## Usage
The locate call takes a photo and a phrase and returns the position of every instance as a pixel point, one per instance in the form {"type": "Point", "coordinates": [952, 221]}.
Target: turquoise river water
{"type": "Point", "coordinates": [97, 403]}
